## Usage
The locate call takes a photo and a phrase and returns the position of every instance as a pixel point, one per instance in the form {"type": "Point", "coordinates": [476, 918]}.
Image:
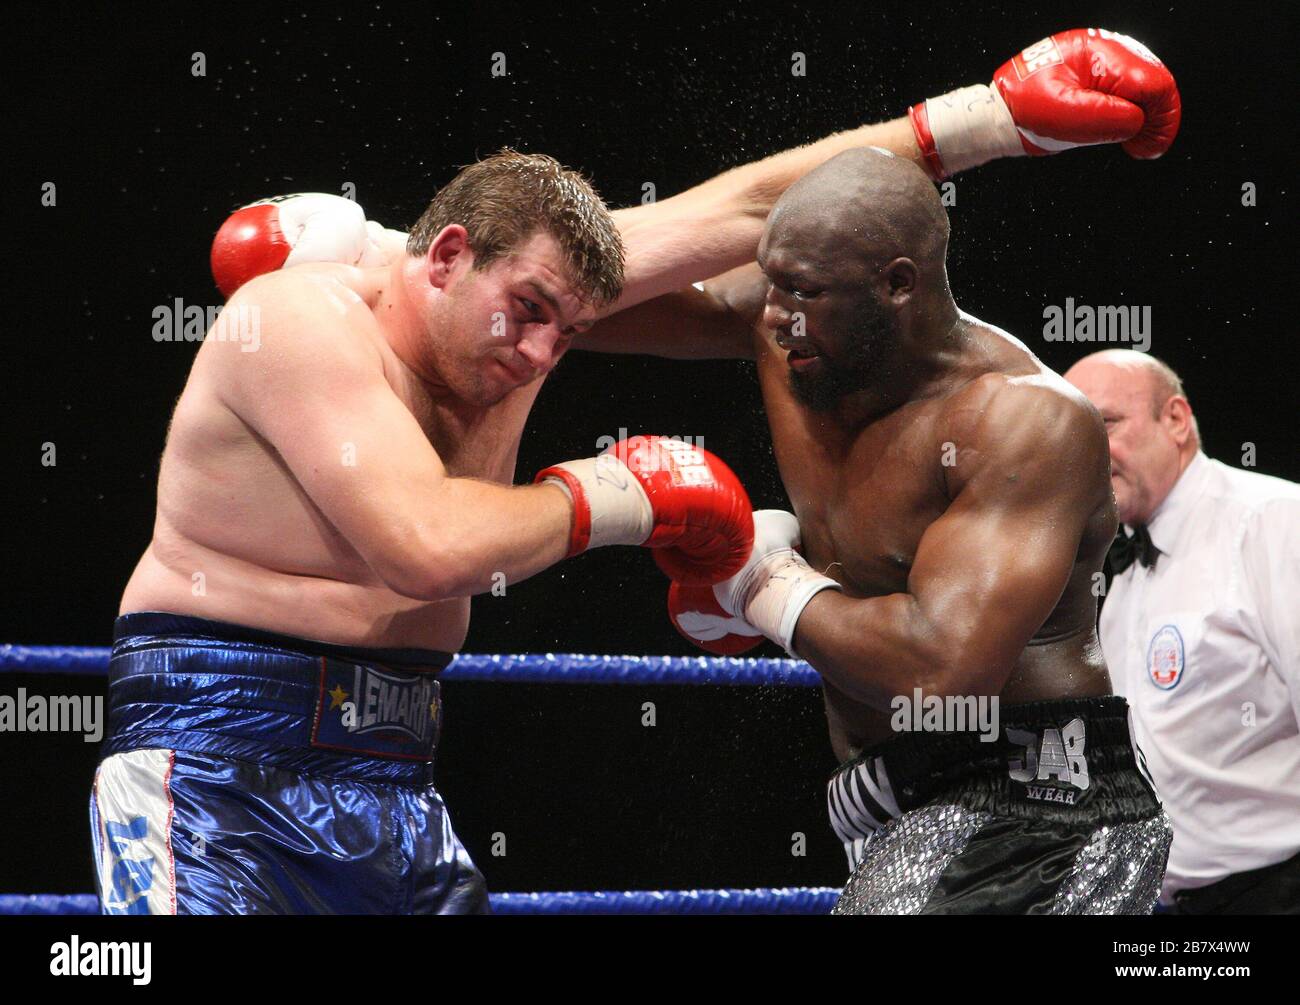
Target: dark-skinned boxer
{"type": "Point", "coordinates": [952, 504]}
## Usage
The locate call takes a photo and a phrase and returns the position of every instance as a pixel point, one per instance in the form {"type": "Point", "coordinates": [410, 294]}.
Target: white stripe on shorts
{"type": "Point", "coordinates": [132, 816]}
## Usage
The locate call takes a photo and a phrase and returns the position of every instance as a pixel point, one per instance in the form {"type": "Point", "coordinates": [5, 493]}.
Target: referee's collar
{"type": "Point", "coordinates": [1167, 521]}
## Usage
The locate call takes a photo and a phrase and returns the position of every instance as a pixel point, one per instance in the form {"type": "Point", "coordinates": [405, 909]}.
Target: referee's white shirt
{"type": "Point", "coordinates": [1206, 648]}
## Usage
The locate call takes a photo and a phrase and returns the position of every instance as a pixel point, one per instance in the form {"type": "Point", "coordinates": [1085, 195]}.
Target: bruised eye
{"type": "Point", "coordinates": [529, 306]}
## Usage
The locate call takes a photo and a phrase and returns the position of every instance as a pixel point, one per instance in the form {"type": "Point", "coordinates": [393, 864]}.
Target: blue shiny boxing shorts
{"type": "Point", "coordinates": [247, 772]}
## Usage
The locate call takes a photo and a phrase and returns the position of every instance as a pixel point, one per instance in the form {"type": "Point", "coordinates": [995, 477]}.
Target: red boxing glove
{"type": "Point", "coordinates": [664, 494]}
{"type": "Point", "coordinates": [697, 615]}
{"type": "Point", "coordinates": [1077, 88]}
{"type": "Point", "coordinates": [289, 230]}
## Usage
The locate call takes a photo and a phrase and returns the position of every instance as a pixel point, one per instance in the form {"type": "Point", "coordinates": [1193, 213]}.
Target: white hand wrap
{"type": "Point", "coordinates": [970, 126]}
{"type": "Point", "coordinates": [620, 509]}
{"type": "Point", "coordinates": [776, 584]}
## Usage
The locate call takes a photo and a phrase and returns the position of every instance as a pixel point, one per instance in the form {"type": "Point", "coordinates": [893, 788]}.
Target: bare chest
{"type": "Point", "coordinates": [863, 499]}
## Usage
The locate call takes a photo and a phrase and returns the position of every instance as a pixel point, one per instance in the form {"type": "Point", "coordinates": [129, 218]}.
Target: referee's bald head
{"type": "Point", "coordinates": [1160, 378]}
{"type": "Point", "coordinates": [1149, 424]}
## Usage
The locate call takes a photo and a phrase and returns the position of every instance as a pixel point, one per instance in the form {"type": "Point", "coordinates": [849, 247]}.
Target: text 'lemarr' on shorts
{"type": "Point", "coordinates": [252, 773]}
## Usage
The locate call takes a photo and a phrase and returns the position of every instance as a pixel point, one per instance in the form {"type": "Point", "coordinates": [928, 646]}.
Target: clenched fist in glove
{"type": "Point", "coordinates": [665, 494]}
{"type": "Point", "coordinates": [765, 597]}
{"type": "Point", "coordinates": [1077, 88]}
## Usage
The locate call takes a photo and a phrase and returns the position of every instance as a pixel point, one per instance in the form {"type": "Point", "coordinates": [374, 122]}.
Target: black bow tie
{"type": "Point", "coordinates": [1124, 550]}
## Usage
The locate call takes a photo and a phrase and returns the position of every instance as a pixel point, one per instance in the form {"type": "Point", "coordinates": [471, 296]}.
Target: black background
{"type": "Point", "coordinates": [148, 160]}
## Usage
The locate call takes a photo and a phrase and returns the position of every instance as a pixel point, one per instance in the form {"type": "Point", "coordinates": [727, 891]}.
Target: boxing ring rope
{"type": "Point", "coordinates": [520, 668]}
{"type": "Point", "coordinates": [532, 668]}
{"type": "Point", "coordinates": [795, 900]}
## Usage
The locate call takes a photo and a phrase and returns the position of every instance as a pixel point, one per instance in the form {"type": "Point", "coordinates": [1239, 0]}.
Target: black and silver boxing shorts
{"type": "Point", "coordinates": [1056, 815]}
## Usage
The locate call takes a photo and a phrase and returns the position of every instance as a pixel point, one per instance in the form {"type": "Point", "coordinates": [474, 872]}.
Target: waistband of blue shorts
{"type": "Point", "coordinates": [187, 683]}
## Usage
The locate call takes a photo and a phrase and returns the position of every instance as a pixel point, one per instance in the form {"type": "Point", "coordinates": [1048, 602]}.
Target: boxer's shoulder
{"type": "Point", "coordinates": [325, 282]}
{"type": "Point", "coordinates": [311, 304]}
{"type": "Point", "coordinates": [309, 328]}
{"type": "Point", "coordinates": [1020, 413]}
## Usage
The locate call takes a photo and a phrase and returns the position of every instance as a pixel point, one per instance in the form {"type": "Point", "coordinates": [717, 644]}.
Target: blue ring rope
{"type": "Point", "coordinates": [788, 900]}
{"type": "Point", "coordinates": [524, 668]}
{"type": "Point", "coordinates": [567, 668]}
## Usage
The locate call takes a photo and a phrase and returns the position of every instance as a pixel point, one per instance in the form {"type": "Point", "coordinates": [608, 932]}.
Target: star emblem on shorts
{"type": "Point", "coordinates": [337, 697]}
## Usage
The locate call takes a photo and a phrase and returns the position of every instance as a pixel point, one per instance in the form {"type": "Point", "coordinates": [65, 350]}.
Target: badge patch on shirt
{"type": "Point", "coordinates": [1166, 658]}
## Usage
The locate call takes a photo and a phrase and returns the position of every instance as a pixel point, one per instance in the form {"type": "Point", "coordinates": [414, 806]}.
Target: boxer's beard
{"type": "Point", "coordinates": [854, 367]}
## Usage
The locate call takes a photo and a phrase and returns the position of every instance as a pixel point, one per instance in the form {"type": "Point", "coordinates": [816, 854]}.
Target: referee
{"type": "Point", "coordinates": [1201, 630]}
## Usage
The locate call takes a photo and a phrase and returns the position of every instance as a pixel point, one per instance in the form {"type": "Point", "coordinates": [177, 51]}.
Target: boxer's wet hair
{"type": "Point", "coordinates": [504, 199]}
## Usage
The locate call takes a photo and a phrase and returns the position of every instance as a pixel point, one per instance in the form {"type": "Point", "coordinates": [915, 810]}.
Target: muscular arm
{"type": "Point", "coordinates": [716, 322]}
{"type": "Point", "coordinates": [988, 573]}
{"type": "Point", "coordinates": [716, 225]}
{"type": "Point", "coordinates": [315, 391]}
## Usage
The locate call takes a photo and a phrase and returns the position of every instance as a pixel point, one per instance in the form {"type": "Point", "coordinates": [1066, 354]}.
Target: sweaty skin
{"type": "Point", "coordinates": [983, 568]}
{"type": "Point", "coordinates": [959, 493]}
{"type": "Point", "coordinates": [256, 494]}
